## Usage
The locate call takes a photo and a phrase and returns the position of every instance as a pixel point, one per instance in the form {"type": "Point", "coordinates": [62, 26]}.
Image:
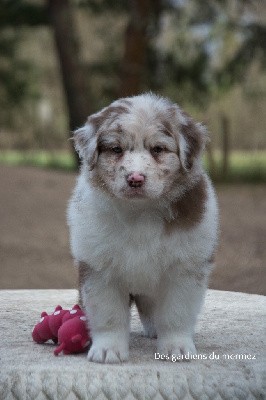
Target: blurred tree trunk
{"type": "Point", "coordinates": [211, 160]}
{"type": "Point", "coordinates": [135, 53]}
{"type": "Point", "coordinates": [225, 128]}
{"type": "Point", "coordinates": [73, 76]}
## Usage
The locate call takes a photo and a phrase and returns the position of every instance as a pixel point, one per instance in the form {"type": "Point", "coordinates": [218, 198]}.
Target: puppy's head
{"type": "Point", "coordinates": [141, 147]}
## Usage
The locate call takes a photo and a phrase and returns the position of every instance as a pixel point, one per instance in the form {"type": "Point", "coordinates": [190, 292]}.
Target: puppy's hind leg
{"type": "Point", "coordinates": [145, 307]}
{"type": "Point", "coordinates": [179, 301]}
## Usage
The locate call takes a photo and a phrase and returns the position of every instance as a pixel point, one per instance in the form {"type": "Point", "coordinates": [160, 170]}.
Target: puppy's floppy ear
{"type": "Point", "coordinates": [85, 141]}
{"type": "Point", "coordinates": [86, 138]}
{"type": "Point", "coordinates": [193, 137]}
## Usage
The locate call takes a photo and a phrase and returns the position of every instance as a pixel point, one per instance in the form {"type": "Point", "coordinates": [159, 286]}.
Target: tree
{"type": "Point", "coordinates": [16, 79]}
{"type": "Point", "coordinates": [134, 63]}
{"type": "Point", "coordinates": [186, 68]}
{"type": "Point", "coordinates": [16, 82]}
{"type": "Point", "coordinates": [75, 82]}
{"type": "Point", "coordinates": [18, 86]}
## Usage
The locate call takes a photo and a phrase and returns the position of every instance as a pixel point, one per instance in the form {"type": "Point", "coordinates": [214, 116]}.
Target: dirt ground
{"type": "Point", "coordinates": [34, 249]}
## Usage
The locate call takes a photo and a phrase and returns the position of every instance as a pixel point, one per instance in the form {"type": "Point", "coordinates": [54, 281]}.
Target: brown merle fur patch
{"type": "Point", "coordinates": [109, 113]}
{"type": "Point", "coordinates": [188, 210]}
{"type": "Point", "coordinates": [167, 127]}
{"type": "Point", "coordinates": [194, 141]}
{"type": "Point", "coordinates": [192, 132]}
{"type": "Point", "coordinates": [98, 182]}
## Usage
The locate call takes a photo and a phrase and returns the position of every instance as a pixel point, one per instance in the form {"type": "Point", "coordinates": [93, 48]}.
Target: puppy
{"type": "Point", "coordinates": [143, 221]}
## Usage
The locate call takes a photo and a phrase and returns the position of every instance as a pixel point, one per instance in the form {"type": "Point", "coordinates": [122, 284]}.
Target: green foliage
{"type": "Point", "coordinates": [212, 50]}
{"type": "Point", "coordinates": [102, 87]}
{"type": "Point", "coordinates": [252, 47]}
{"type": "Point", "coordinates": [17, 75]}
{"type": "Point", "coordinates": [21, 12]}
{"type": "Point", "coordinates": [245, 167]}
{"type": "Point", "coordinates": [38, 158]}
{"type": "Point", "coordinates": [190, 77]}
{"type": "Point", "coordinates": [17, 78]}
{"type": "Point", "coordinates": [212, 47]}
{"type": "Point", "coordinates": [99, 6]}
{"type": "Point", "coordinates": [196, 51]}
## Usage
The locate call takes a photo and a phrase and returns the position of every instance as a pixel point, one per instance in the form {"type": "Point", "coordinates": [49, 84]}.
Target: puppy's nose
{"type": "Point", "coordinates": [135, 179]}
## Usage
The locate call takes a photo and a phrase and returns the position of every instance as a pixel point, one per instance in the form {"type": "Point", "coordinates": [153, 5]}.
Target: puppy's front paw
{"type": "Point", "coordinates": [107, 350]}
{"type": "Point", "coordinates": [181, 347]}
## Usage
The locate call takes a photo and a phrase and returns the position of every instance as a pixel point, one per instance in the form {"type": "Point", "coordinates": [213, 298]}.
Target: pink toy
{"type": "Point", "coordinates": [42, 332]}
{"type": "Point", "coordinates": [56, 319]}
{"type": "Point", "coordinates": [48, 326]}
{"type": "Point", "coordinates": [73, 336]}
{"type": "Point", "coordinates": [75, 311]}
{"type": "Point", "coordinates": [68, 327]}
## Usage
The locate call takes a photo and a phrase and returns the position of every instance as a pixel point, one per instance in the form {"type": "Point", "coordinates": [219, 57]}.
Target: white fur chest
{"type": "Point", "coordinates": [128, 246]}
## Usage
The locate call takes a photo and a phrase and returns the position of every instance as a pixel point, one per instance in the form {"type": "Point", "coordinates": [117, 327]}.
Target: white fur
{"type": "Point", "coordinates": [127, 251]}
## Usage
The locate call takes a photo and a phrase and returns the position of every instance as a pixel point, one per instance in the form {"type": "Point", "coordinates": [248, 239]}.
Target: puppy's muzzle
{"type": "Point", "coordinates": [135, 180]}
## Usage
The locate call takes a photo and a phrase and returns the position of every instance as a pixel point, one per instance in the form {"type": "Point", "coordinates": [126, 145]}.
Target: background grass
{"type": "Point", "coordinates": [249, 167]}
{"type": "Point", "coordinates": [39, 158]}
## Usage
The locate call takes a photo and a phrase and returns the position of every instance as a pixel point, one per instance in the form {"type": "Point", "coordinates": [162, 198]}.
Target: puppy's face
{"type": "Point", "coordinates": [140, 147]}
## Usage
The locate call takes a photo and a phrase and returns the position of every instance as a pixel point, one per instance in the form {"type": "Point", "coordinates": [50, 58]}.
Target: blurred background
{"type": "Point", "coordinates": [61, 60]}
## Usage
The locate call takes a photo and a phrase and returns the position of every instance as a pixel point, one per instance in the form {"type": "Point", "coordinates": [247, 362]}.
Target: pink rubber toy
{"type": "Point", "coordinates": [56, 319]}
{"type": "Point", "coordinates": [47, 327]}
{"type": "Point", "coordinates": [73, 336]}
{"type": "Point", "coordinates": [66, 327]}
{"type": "Point", "coordinates": [75, 311]}
{"type": "Point", "coordinates": [42, 332]}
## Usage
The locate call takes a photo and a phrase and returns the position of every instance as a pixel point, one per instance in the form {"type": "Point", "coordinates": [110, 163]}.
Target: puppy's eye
{"type": "Point", "coordinates": [117, 149]}
{"type": "Point", "coordinates": [157, 149]}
